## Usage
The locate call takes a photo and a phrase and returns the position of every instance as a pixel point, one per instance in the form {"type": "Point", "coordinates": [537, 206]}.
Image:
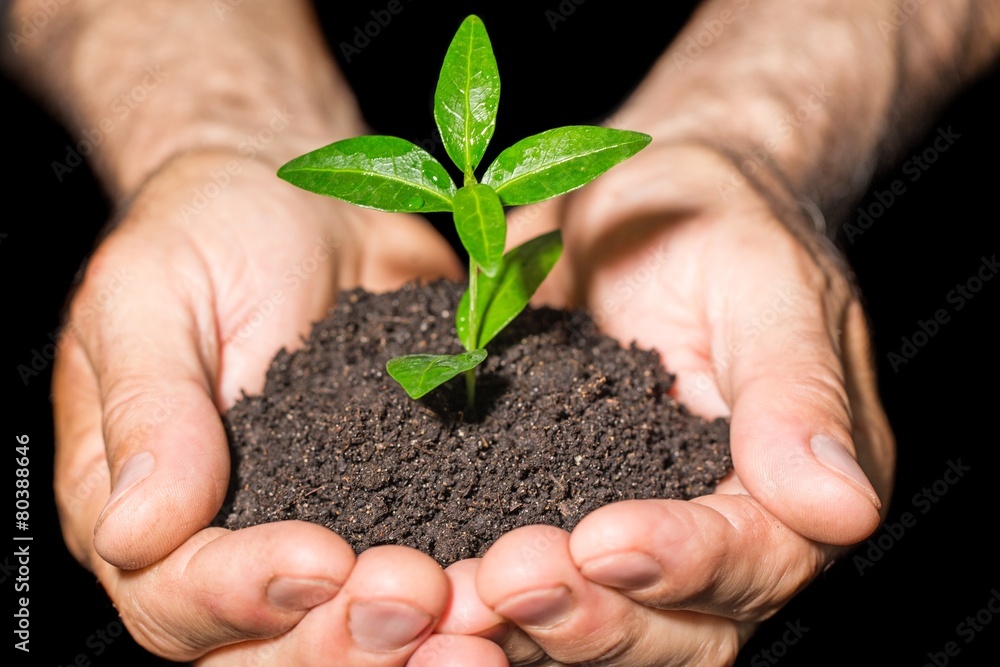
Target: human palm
{"type": "Point", "coordinates": [757, 328]}
{"type": "Point", "coordinates": [207, 291]}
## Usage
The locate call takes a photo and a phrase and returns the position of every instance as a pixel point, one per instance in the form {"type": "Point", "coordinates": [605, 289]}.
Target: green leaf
{"type": "Point", "coordinates": [502, 298]}
{"type": "Point", "coordinates": [384, 173]}
{"type": "Point", "coordinates": [420, 373]}
{"type": "Point", "coordinates": [481, 225]}
{"type": "Point", "coordinates": [467, 95]}
{"type": "Point", "coordinates": [556, 161]}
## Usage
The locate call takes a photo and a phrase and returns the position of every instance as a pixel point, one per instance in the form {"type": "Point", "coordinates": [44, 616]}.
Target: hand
{"type": "Point", "coordinates": [756, 327]}
{"type": "Point", "coordinates": [181, 308]}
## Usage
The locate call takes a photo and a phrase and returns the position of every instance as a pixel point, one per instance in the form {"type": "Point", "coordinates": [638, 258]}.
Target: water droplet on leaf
{"type": "Point", "coordinates": [415, 203]}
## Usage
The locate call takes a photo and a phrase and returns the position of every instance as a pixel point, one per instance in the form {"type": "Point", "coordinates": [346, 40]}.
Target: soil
{"type": "Point", "coordinates": [567, 420]}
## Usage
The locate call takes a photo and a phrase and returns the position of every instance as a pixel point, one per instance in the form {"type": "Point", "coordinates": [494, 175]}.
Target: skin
{"type": "Point", "coordinates": [719, 269]}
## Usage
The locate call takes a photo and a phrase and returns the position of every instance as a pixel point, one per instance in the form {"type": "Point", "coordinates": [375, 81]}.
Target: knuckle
{"type": "Point", "coordinates": [151, 631]}
{"type": "Point", "coordinates": [787, 563]}
{"type": "Point", "coordinates": [132, 407]}
{"type": "Point", "coordinates": [719, 650]}
{"type": "Point", "coordinates": [609, 645]}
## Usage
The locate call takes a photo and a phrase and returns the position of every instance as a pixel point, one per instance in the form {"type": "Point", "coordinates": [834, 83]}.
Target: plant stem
{"type": "Point", "coordinates": [470, 375]}
{"type": "Point", "coordinates": [470, 388]}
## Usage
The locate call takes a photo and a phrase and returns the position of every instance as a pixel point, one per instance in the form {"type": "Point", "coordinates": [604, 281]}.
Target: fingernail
{"type": "Point", "coordinates": [386, 626]}
{"type": "Point", "coordinates": [134, 471]}
{"type": "Point", "coordinates": [300, 594]}
{"type": "Point", "coordinates": [630, 571]}
{"type": "Point", "coordinates": [541, 609]}
{"type": "Point", "coordinates": [497, 634]}
{"type": "Point", "coordinates": [835, 456]}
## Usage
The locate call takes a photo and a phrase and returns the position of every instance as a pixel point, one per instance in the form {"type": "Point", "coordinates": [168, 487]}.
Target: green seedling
{"type": "Point", "coordinates": [395, 175]}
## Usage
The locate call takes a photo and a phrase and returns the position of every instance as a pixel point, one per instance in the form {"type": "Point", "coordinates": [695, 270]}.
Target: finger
{"type": "Point", "coordinates": [222, 587]}
{"type": "Point", "coordinates": [466, 614]}
{"type": "Point", "coordinates": [639, 285]}
{"type": "Point", "coordinates": [527, 222]}
{"type": "Point", "coordinates": [873, 436]}
{"type": "Point", "coordinates": [216, 588]}
{"type": "Point", "coordinates": [81, 479]}
{"type": "Point", "coordinates": [389, 605]}
{"type": "Point", "coordinates": [408, 248]}
{"type": "Point", "coordinates": [721, 554]}
{"type": "Point", "coordinates": [791, 429]}
{"type": "Point", "coordinates": [528, 576]}
{"type": "Point", "coordinates": [393, 600]}
{"type": "Point", "coordinates": [443, 650]}
{"type": "Point", "coordinates": [152, 359]}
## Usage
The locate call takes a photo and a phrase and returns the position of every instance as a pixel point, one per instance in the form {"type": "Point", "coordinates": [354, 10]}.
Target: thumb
{"type": "Point", "coordinates": [154, 360]}
{"type": "Point", "coordinates": [527, 222]}
{"type": "Point", "coordinates": [792, 423]}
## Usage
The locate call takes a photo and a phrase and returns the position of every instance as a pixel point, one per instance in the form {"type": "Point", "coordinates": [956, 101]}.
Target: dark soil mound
{"type": "Point", "coordinates": [568, 421]}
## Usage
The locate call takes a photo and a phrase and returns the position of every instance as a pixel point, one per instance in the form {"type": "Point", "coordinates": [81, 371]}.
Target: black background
{"type": "Point", "coordinates": [932, 238]}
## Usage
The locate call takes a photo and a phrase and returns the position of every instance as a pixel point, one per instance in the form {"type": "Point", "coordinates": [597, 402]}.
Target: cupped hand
{"type": "Point", "coordinates": [756, 326]}
{"type": "Point", "coordinates": [212, 267]}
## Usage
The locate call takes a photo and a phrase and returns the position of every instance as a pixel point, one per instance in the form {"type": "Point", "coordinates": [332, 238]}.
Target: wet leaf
{"type": "Point", "coordinates": [556, 161]}
{"type": "Point", "coordinates": [467, 95]}
{"type": "Point", "coordinates": [502, 298]}
{"type": "Point", "coordinates": [420, 373]}
{"type": "Point", "coordinates": [384, 173]}
{"type": "Point", "coordinates": [481, 225]}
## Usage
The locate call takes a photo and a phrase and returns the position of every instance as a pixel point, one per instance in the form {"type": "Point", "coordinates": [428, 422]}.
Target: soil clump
{"type": "Point", "coordinates": [567, 420]}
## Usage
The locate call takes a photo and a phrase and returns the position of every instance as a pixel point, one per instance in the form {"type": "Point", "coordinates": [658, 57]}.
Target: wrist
{"type": "Point", "coordinates": [694, 182]}
{"type": "Point", "coordinates": [778, 86]}
{"type": "Point", "coordinates": [268, 135]}
{"type": "Point", "coordinates": [681, 178]}
{"type": "Point", "coordinates": [139, 83]}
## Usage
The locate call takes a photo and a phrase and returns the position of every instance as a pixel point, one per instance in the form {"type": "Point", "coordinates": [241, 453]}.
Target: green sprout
{"type": "Point", "coordinates": [395, 175]}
